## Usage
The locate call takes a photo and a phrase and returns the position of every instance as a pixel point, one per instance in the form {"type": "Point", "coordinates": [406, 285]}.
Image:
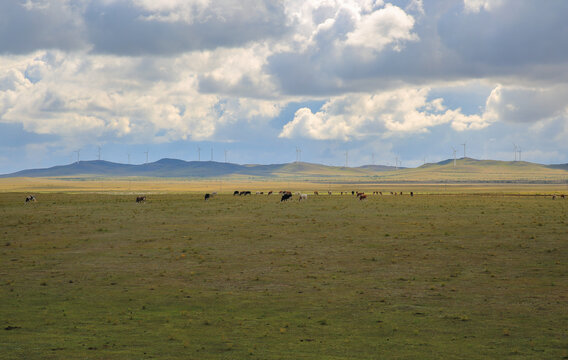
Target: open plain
{"type": "Point", "coordinates": [452, 272]}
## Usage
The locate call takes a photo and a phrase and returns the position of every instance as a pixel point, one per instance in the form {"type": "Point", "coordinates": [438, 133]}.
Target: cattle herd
{"type": "Point", "coordinates": [287, 195]}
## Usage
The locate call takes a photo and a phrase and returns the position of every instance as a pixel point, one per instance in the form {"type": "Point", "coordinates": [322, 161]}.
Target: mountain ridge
{"type": "Point", "coordinates": [463, 169]}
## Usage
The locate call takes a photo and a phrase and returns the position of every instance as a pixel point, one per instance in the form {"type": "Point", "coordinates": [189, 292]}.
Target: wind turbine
{"type": "Point", "coordinates": [454, 149]}
{"type": "Point", "coordinates": [520, 151]}
{"type": "Point", "coordinates": [146, 152]}
{"type": "Point", "coordinates": [463, 149]}
{"type": "Point", "coordinates": [78, 154]}
{"type": "Point", "coordinates": [515, 149]}
{"type": "Point", "coordinates": [99, 152]}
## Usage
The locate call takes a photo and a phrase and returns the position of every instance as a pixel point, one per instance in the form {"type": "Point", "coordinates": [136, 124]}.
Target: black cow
{"type": "Point", "coordinates": [30, 198]}
{"type": "Point", "coordinates": [236, 192]}
{"type": "Point", "coordinates": [207, 196]}
{"type": "Point", "coordinates": [286, 196]}
{"type": "Point", "coordinates": [140, 199]}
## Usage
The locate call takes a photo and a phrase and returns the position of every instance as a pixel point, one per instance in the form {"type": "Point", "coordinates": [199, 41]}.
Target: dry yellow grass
{"type": "Point", "coordinates": [164, 185]}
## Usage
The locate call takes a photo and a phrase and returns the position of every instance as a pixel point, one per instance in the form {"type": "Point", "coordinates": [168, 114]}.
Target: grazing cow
{"type": "Point", "coordinates": [362, 197]}
{"type": "Point", "coordinates": [30, 198]}
{"type": "Point", "coordinates": [270, 193]}
{"type": "Point", "coordinates": [328, 192]}
{"type": "Point", "coordinates": [352, 192]}
{"type": "Point", "coordinates": [140, 199]}
{"type": "Point", "coordinates": [360, 193]}
{"type": "Point", "coordinates": [236, 192]}
{"type": "Point", "coordinates": [411, 193]}
{"type": "Point", "coordinates": [207, 196]}
{"type": "Point", "coordinates": [316, 193]}
{"type": "Point", "coordinates": [381, 193]}
{"type": "Point", "coordinates": [562, 196]}
{"type": "Point", "coordinates": [285, 196]}
{"type": "Point", "coordinates": [303, 197]}
{"type": "Point", "coordinates": [401, 193]}
{"type": "Point", "coordinates": [553, 197]}
{"type": "Point", "coordinates": [244, 193]}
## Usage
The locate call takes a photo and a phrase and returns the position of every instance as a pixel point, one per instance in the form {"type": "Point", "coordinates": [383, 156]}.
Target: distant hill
{"type": "Point", "coordinates": [558, 166]}
{"type": "Point", "coordinates": [465, 170]}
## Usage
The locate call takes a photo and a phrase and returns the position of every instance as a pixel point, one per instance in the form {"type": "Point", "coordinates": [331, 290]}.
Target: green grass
{"type": "Point", "coordinates": [96, 276]}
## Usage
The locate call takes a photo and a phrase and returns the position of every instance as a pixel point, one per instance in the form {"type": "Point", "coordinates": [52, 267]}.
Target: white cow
{"type": "Point", "coordinates": [303, 197]}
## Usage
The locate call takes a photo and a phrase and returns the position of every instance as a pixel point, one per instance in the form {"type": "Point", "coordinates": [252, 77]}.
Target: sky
{"type": "Point", "coordinates": [350, 82]}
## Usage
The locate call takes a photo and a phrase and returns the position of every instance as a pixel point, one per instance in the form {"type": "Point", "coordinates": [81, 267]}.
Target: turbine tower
{"type": "Point", "coordinates": [515, 150]}
{"type": "Point", "coordinates": [347, 158]}
{"type": "Point", "coordinates": [463, 149]}
{"type": "Point", "coordinates": [78, 154]}
{"type": "Point", "coordinates": [454, 149]}
{"type": "Point", "coordinates": [520, 151]}
{"type": "Point", "coordinates": [146, 152]}
{"type": "Point", "coordinates": [99, 153]}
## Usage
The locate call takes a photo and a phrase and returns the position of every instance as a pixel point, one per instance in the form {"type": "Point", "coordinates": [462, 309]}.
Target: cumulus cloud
{"type": "Point", "coordinates": [520, 104]}
{"type": "Point", "coordinates": [75, 98]}
{"type": "Point", "coordinates": [402, 111]}
{"type": "Point", "coordinates": [389, 25]}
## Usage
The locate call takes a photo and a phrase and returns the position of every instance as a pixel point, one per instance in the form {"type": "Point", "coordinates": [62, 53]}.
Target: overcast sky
{"type": "Point", "coordinates": [251, 81]}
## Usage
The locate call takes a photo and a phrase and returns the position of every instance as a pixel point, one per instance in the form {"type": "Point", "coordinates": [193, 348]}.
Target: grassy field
{"type": "Point", "coordinates": [227, 186]}
{"type": "Point", "coordinates": [96, 276]}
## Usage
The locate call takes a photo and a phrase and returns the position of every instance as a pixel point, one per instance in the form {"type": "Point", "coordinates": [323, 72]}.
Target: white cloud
{"type": "Point", "coordinates": [522, 104]}
{"type": "Point", "coordinates": [476, 6]}
{"type": "Point", "coordinates": [389, 25]}
{"type": "Point", "coordinates": [402, 111]}
{"type": "Point", "coordinates": [74, 97]}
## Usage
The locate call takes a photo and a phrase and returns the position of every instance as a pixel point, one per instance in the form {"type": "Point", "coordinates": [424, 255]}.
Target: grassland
{"type": "Point", "coordinates": [96, 276]}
